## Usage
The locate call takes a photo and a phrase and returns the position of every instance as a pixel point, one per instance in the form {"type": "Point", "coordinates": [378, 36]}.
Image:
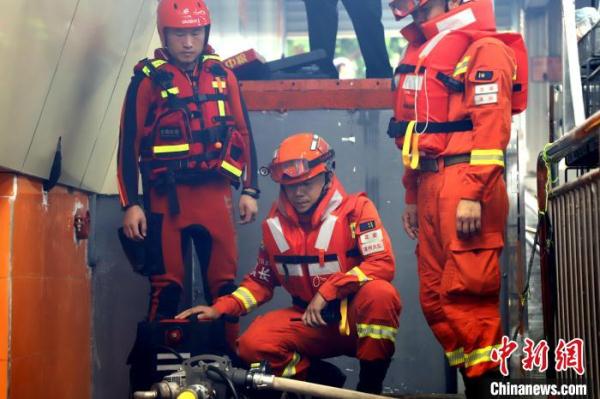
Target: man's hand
{"type": "Point", "coordinates": [248, 209]}
{"type": "Point", "coordinates": [468, 218]}
{"type": "Point", "coordinates": [410, 221]}
{"type": "Point", "coordinates": [312, 315]}
{"type": "Point", "coordinates": [134, 223]}
{"type": "Point", "coordinates": [203, 312]}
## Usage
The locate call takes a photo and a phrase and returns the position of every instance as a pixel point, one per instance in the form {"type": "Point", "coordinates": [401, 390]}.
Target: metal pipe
{"type": "Point", "coordinates": [145, 395]}
{"type": "Point", "coordinates": [571, 140]}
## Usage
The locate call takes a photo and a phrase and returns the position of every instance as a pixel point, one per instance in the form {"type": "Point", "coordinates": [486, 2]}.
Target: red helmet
{"type": "Point", "coordinates": [181, 14]}
{"type": "Point", "coordinates": [301, 157]}
{"type": "Point", "coordinates": [402, 8]}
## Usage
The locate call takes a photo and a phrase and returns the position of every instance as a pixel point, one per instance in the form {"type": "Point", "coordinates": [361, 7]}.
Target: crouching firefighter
{"type": "Point", "coordinates": [185, 128]}
{"type": "Point", "coordinates": [457, 87]}
{"type": "Point", "coordinates": [330, 251]}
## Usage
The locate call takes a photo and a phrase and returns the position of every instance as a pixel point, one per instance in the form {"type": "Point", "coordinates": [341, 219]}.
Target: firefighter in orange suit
{"type": "Point", "coordinates": [457, 87]}
{"type": "Point", "coordinates": [184, 126]}
{"type": "Point", "coordinates": [329, 250]}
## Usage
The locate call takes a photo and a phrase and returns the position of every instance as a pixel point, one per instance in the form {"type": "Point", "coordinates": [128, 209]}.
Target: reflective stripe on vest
{"type": "Point", "coordinates": [457, 21]}
{"type": "Point", "coordinates": [487, 157]}
{"type": "Point", "coordinates": [325, 233]}
{"type": "Point", "coordinates": [376, 331]}
{"type": "Point", "coordinates": [231, 169]}
{"type": "Point", "coordinates": [277, 233]}
{"type": "Point", "coordinates": [246, 297]}
{"type": "Point", "coordinates": [334, 202]}
{"type": "Point", "coordinates": [315, 269]}
{"type": "Point", "coordinates": [172, 90]}
{"type": "Point", "coordinates": [155, 63]}
{"type": "Point", "coordinates": [165, 149]}
{"type": "Point", "coordinates": [293, 269]}
{"type": "Point", "coordinates": [220, 85]}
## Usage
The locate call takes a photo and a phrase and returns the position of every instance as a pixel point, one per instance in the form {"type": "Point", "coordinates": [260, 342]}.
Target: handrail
{"type": "Point", "coordinates": [552, 154]}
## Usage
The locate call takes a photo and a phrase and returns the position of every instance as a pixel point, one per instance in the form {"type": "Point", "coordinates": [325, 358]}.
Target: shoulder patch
{"type": "Point", "coordinates": [366, 226]}
{"type": "Point", "coordinates": [484, 75]}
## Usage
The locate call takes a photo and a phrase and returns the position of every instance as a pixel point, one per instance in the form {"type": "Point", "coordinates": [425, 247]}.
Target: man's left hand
{"type": "Point", "coordinates": [468, 218]}
{"type": "Point", "coordinates": [248, 209]}
{"type": "Point", "coordinates": [312, 315]}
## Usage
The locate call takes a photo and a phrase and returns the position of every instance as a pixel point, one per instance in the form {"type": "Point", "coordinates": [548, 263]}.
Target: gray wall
{"type": "Point", "coordinates": [370, 164]}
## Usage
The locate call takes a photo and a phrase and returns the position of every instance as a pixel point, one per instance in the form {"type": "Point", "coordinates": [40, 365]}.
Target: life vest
{"type": "Point", "coordinates": [431, 79]}
{"type": "Point", "coordinates": [304, 260]}
{"type": "Point", "coordinates": [189, 133]}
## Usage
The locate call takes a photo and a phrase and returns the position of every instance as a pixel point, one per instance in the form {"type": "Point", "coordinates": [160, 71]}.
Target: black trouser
{"type": "Point", "coordinates": [366, 18]}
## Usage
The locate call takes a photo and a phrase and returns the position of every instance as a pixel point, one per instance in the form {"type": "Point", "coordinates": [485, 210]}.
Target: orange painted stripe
{"type": "Point", "coordinates": [287, 95]}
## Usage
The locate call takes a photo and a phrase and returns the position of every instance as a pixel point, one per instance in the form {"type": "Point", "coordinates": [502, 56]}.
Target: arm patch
{"type": "Point", "coordinates": [366, 226]}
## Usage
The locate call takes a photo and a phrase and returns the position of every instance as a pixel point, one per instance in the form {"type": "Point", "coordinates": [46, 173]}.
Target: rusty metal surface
{"type": "Point", "coordinates": [574, 210]}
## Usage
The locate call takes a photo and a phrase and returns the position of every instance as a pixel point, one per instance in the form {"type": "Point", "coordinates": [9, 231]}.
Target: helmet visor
{"type": "Point", "coordinates": [290, 169]}
{"type": "Point", "coordinates": [402, 8]}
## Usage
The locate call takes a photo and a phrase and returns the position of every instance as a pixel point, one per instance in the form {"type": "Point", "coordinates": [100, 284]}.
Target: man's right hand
{"type": "Point", "coordinates": [411, 221]}
{"type": "Point", "coordinates": [203, 312]}
{"type": "Point", "coordinates": [134, 223]}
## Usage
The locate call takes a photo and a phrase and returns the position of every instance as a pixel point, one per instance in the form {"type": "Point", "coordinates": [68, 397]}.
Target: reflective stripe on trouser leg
{"type": "Point", "coordinates": [374, 312]}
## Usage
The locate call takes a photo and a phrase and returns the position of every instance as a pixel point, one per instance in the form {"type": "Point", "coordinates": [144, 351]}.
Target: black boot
{"type": "Point", "coordinates": [479, 387]}
{"type": "Point", "coordinates": [325, 373]}
{"type": "Point", "coordinates": [372, 374]}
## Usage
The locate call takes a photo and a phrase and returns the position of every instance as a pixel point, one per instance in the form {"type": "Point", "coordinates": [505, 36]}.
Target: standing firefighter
{"type": "Point", "coordinates": [185, 128]}
{"type": "Point", "coordinates": [457, 87]}
{"type": "Point", "coordinates": [330, 251]}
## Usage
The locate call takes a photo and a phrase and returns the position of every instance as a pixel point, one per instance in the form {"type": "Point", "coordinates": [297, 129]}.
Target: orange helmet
{"type": "Point", "coordinates": [402, 8]}
{"type": "Point", "coordinates": [181, 14]}
{"type": "Point", "coordinates": [301, 157]}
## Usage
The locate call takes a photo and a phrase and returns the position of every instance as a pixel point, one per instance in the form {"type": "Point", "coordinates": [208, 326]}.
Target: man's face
{"type": "Point", "coordinates": [304, 195]}
{"type": "Point", "coordinates": [430, 10]}
{"type": "Point", "coordinates": [185, 45]}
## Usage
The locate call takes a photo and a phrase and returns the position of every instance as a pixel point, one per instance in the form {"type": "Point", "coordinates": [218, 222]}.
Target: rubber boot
{"type": "Point", "coordinates": [325, 373]}
{"type": "Point", "coordinates": [479, 387]}
{"type": "Point", "coordinates": [372, 374]}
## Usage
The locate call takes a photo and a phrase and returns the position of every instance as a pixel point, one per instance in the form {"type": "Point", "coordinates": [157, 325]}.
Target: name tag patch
{"type": "Point", "coordinates": [481, 99]}
{"type": "Point", "coordinates": [486, 89]}
{"type": "Point", "coordinates": [372, 242]}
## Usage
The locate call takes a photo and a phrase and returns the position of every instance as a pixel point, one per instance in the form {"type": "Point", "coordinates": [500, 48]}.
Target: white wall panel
{"type": "Point", "coordinates": [99, 166]}
{"type": "Point", "coordinates": [32, 36]}
{"type": "Point", "coordinates": [85, 80]}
